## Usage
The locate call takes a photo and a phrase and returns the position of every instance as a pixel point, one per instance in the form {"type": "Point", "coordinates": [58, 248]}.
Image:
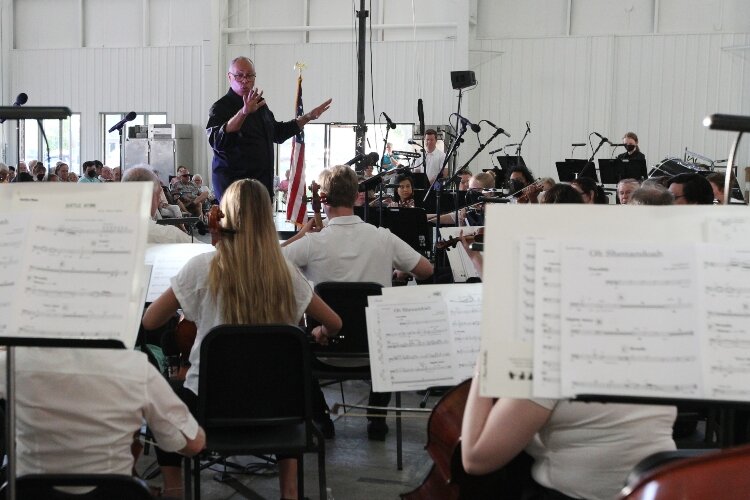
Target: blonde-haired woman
{"type": "Point", "coordinates": [246, 281]}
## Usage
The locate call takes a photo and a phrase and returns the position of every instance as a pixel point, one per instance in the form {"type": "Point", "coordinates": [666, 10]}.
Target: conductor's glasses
{"type": "Point", "coordinates": [242, 77]}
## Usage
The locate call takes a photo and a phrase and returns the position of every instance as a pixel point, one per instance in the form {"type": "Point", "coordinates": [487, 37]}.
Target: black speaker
{"type": "Point", "coordinates": [462, 79]}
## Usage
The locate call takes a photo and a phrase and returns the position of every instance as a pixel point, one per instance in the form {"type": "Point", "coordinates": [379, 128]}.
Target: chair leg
{"type": "Point", "coordinates": [343, 399]}
{"type": "Point", "coordinates": [399, 443]}
{"type": "Point", "coordinates": [197, 477]}
{"type": "Point", "coordinates": [301, 476]}
{"type": "Point", "coordinates": [187, 484]}
{"type": "Point", "coordinates": [322, 469]}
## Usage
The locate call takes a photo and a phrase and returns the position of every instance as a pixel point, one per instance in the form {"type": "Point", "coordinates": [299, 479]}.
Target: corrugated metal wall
{"type": "Point", "coordinates": [91, 81]}
{"type": "Point", "coordinates": [659, 86]}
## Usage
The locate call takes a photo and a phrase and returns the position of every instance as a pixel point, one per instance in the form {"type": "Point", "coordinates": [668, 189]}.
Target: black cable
{"type": "Point", "coordinates": [372, 79]}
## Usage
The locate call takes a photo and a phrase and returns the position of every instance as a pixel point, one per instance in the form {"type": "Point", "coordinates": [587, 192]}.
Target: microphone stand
{"type": "Point", "coordinates": [591, 160]}
{"type": "Point", "coordinates": [380, 172]}
{"type": "Point", "coordinates": [438, 186]}
{"type": "Point", "coordinates": [519, 145]}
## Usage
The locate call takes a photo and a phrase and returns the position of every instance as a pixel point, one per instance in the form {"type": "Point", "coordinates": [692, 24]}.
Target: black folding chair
{"type": "Point", "coordinates": [254, 396]}
{"type": "Point", "coordinates": [81, 487]}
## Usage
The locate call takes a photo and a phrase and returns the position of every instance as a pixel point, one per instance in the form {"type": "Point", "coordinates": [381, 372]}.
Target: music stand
{"type": "Point", "coordinates": [410, 225]}
{"type": "Point", "coordinates": [572, 168]}
{"type": "Point", "coordinates": [613, 170]}
{"type": "Point", "coordinates": [506, 164]}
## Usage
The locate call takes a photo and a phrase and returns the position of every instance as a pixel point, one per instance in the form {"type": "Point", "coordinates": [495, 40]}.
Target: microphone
{"type": "Point", "coordinates": [20, 101]}
{"type": "Point", "coordinates": [356, 159]}
{"type": "Point", "coordinates": [497, 128]}
{"type": "Point", "coordinates": [118, 126]}
{"type": "Point", "coordinates": [390, 123]}
{"type": "Point", "coordinates": [420, 114]}
{"type": "Point", "coordinates": [465, 122]}
{"type": "Point", "coordinates": [600, 136]}
{"type": "Point", "coordinates": [576, 144]}
{"type": "Point", "coordinates": [415, 143]}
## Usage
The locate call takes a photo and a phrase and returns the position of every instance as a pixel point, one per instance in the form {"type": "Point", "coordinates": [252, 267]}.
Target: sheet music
{"type": "Point", "coordinates": [728, 230]}
{"type": "Point", "coordinates": [461, 265]}
{"type": "Point", "coordinates": [527, 288]}
{"type": "Point", "coordinates": [82, 260]}
{"type": "Point", "coordinates": [616, 338]}
{"type": "Point", "coordinates": [465, 317]}
{"type": "Point", "coordinates": [167, 260]}
{"type": "Point", "coordinates": [725, 318]}
{"type": "Point", "coordinates": [547, 285]}
{"type": "Point", "coordinates": [12, 237]}
{"type": "Point", "coordinates": [410, 344]}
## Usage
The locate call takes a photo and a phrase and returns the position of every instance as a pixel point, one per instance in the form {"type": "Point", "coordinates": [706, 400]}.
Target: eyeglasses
{"type": "Point", "coordinates": [242, 77]}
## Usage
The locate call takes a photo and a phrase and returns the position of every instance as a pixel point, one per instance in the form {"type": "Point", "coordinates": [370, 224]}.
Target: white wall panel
{"type": "Point", "coordinates": [404, 72]}
{"type": "Point", "coordinates": [659, 86]}
{"type": "Point", "coordinates": [599, 17]}
{"type": "Point", "coordinates": [94, 81]}
{"type": "Point", "coordinates": [34, 27]}
{"type": "Point", "coordinates": [704, 16]}
{"type": "Point", "coordinates": [112, 24]}
{"type": "Point", "coordinates": [502, 18]}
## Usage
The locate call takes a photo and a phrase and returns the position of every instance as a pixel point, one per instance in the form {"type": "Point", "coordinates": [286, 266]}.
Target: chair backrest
{"type": "Point", "coordinates": [719, 476]}
{"type": "Point", "coordinates": [107, 487]}
{"type": "Point", "coordinates": [254, 375]}
{"type": "Point", "coordinates": [349, 300]}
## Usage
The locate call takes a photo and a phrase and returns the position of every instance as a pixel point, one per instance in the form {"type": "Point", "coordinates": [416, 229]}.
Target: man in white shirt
{"type": "Point", "coordinates": [78, 409]}
{"type": "Point", "coordinates": [433, 156]}
{"type": "Point", "coordinates": [349, 249]}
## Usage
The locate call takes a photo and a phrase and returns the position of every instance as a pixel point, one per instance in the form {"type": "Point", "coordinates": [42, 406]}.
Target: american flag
{"type": "Point", "coordinates": [296, 209]}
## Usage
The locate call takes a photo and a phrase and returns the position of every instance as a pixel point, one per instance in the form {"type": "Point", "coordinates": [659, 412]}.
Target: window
{"type": "Point", "coordinates": [63, 136]}
{"type": "Point", "coordinates": [111, 140]}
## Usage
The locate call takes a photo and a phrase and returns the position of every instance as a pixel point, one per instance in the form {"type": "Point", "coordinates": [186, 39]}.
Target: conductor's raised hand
{"type": "Point", "coordinates": [252, 101]}
{"type": "Point", "coordinates": [314, 114]}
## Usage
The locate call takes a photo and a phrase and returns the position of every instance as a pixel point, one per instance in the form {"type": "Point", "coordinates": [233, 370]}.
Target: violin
{"type": "Point", "coordinates": [529, 193]}
{"type": "Point", "coordinates": [317, 202]}
{"type": "Point", "coordinates": [447, 479]}
{"type": "Point", "coordinates": [451, 242]}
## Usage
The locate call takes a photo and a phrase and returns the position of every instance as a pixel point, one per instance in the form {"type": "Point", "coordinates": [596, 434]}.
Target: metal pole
{"type": "Point", "coordinates": [10, 421]}
{"type": "Point", "coordinates": [361, 129]}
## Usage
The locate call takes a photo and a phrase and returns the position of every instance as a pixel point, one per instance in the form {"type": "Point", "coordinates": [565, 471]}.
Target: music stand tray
{"type": "Point", "coordinates": [613, 170]}
{"type": "Point", "coordinates": [572, 168]}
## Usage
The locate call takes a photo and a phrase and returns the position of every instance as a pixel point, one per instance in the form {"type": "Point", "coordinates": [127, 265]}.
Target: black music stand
{"type": "Point", "coordinates": [507, 162]}
{"type": "Point", "coordinates": [572, 168]}
{"type": "Point", "coordinates": [613, 170]}
{"type": "Point", "coordinates": [410, 225]}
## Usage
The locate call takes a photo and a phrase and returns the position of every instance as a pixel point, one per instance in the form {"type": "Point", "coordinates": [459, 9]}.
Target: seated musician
{"type": "Point", "coordinates": [473, 215]}
{"type": "Point", "coordinates": [625, 189]}
{"type": "Point", "coordinates": [78, 409]}
{"type": "Point", "coordinates": [350, 250]}
{"type": "Point", "coordinates": [404, 195]}
{"type": "Point", "coordinates": [691, 189]}
{"type": "Point", "coordinates": [522, 187]}
{"type": "Point", "coordinates": [654, 194]}
{"type": "Point", "coordinates": [633, 152]}
{"type": "Point", "coordinates": [592, 192]}
{"type": "Point", "coordinates": [246, 281]}
{"type": "Point", "coordinates": [580, 450]}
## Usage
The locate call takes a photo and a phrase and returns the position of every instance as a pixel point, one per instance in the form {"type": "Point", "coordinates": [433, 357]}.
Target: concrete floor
{"type": "Point", "coordinates": [356, 468]}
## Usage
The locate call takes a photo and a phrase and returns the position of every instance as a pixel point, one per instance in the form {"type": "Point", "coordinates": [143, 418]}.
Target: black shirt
{"type": "Point", "coordinates": [637, 155]}
{"type": "Point", "coordinates": [247, 153]}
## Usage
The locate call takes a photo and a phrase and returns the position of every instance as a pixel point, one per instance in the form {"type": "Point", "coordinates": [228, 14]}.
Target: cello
{"type": "Point", "coordinates": [447, 479]}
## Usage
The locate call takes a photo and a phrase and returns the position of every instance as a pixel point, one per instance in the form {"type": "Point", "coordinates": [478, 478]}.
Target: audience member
{"type": "Point", "coordinates": [106, 175]}
{"type": "Point", "coordinates": [89, 174]}
{"type": "Point", "coordinates": [691, 189]}
{"type": "Point", "coordinates": [156, 233]}
{"type": "Point", "coordinates": [4, 172]}
{"type": "Point", "coordinates": [116, 174]}
{"type": "Point", "coordinates": [11, 173]}
{"type": "Point", "coordinates": [52, 178]}
{"type": "Point", "coordinates": [38, 170]}
{"type": "Point", "coordinates": [62, 170]}
{"type": "Point", "coordinates": [187, 194]}
{"type": "Point", "coordinates": [72, 177]}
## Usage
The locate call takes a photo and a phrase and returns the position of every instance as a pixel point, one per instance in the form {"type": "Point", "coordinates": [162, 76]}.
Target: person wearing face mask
{"type": "Point", "coordinates": [89, 172]}
{"type": "Point", "coordinates": [632, 152]}
{"type": "Point", "coordinates": [522, 186]}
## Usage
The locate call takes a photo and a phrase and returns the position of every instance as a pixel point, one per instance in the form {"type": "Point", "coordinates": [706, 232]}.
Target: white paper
{"type": "Point", "coordinates": [628, 311]}
{"type": "Point", "coordinates": [725, 320]}
{"type": "Point", "coordinates": [526, 288]}
{"type": "Point", "coordinates": [12, 236]}
{"type": "Point", "coordinates": [410, 344]}
{"type": "Point", "coordinates": [461, 265]}
{"type": "Point", "coordinates": [167, 260]}
{"type": "Point", "coordinates": [547, 320]}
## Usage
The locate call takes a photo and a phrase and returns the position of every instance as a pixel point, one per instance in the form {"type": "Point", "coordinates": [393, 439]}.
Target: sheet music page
{"type": "Point", "coordinates": [547, 320]}
{"type": "Point", "coordinates": [725, 320]}
{"type": "Point", "coordinates": [167, 260]}
{"type": "Point", "coordinates": [461, 265]}
{"type": "Point", "coordinates": [81, 276]}
{"type": "Point", "coordinates": [729, 229]}
{"type": "Point", "coordinates": [12, 236]}
{"type": "Point", "coordinates": [410, 343]}
{"type": "Point", "coordinates": [465, 317]}
{"type": "Point", "coordinates": [527, 290]}
{"type": "Point", "coordinates": [628, 310]}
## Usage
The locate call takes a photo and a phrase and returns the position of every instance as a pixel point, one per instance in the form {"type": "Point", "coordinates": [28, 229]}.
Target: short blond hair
{"type": "Point", "coordinates": [340, 186]}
